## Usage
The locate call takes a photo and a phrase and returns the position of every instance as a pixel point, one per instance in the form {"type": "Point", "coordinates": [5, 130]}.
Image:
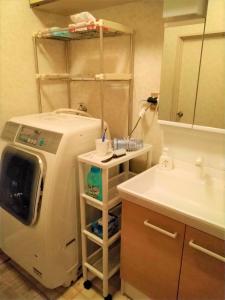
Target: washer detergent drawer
{"type": "Point", "coordinates": [20, 181]}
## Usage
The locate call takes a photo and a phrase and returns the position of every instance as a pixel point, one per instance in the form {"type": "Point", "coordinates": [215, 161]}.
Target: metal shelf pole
{"type": "Point", "coordinates": [131, 84]}
{"type": "Point", "coordinates": [37, 71]}
{"type": "Point", "coordinates": [102, 85]}
{"type": "Point", "coordinates": [67, 55]}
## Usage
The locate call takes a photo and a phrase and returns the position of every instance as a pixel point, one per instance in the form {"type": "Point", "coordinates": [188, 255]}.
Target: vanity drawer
{"type": "Point", "coordinates": [151, 251]}
{"type": "Point", "coordinates": [203, 267]}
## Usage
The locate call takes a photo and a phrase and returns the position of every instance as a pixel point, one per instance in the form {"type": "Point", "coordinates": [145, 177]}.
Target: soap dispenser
{"type": "Point", "coordinates": [165, 161]}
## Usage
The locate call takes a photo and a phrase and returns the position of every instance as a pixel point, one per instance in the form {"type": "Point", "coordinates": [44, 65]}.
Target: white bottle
{"type": "Point", "coordinates": [165, 161]}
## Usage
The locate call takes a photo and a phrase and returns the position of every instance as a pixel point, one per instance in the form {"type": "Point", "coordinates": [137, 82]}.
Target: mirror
{"type": "Point", "coordinates": [210, 103]}
{"type": "Point", "coordinates": [193, 68]}
{"type": "Point", "coordinates": [180, 69]}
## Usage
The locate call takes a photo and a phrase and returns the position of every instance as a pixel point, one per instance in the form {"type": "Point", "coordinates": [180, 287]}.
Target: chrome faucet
{"type": "Point", "coordinates": [199, 162]}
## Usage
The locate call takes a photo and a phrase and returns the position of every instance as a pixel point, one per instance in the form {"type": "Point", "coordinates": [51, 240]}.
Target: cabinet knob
{"type": "Point", "coordinates": [180, 114]}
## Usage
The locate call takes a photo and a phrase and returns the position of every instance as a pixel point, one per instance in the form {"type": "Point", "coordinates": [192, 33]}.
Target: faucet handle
{"type": "Point", "coordinates": [199, 161]}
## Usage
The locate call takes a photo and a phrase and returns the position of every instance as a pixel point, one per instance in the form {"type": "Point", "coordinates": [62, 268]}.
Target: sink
{"type": "Point", "coordinates": [180, 193]}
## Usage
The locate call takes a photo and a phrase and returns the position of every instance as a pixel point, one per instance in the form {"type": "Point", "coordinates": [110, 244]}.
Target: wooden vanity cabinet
{"type": "Point", "coordinates": [166, 260]}
{"type": "Point", "coordinates": [151, 251]}
{"type": "Point", "coordinates": [202, 275]}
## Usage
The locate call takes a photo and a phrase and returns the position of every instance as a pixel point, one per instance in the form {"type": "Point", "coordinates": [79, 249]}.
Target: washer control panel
{"type": "Point", "coordinates": [39, 138]}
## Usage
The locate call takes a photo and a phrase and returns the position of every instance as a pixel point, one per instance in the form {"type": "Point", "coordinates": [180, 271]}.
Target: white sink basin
{"type": "Point", "coordinates": [181, 194]}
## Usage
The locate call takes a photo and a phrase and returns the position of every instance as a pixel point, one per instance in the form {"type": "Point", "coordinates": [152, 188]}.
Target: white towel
{"type": "Point", "coordinates": [83, 17]}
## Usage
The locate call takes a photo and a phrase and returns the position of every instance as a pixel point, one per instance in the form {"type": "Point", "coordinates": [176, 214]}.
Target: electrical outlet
{"type": "Point", "coordinates": [154, 107]}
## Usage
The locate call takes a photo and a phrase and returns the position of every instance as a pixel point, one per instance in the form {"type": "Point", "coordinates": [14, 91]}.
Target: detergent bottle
{"type": "Point", "coordinates": [94, 183]}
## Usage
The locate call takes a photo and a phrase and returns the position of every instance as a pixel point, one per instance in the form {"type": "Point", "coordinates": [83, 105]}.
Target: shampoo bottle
{"type": "Point", "coordinates": [165, 161]}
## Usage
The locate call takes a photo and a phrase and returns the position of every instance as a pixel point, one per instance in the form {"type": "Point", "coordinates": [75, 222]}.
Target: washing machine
{"type": "Point", "coordinates": [39, 199]}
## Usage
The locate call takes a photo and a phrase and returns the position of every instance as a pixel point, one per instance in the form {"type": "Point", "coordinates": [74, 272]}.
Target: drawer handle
{"type": "Point", "coordinates": [171, 235]}
{"type": "Point", "coordinates": [206, 251]}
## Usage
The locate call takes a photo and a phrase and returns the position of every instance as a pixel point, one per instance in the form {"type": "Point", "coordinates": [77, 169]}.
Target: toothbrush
{"type": "Point", "coordinates": [104, 134]}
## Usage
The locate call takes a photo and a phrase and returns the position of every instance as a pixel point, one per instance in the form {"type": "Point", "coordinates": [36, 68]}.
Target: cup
{"type": "Point", "coordinates": [102, 147]}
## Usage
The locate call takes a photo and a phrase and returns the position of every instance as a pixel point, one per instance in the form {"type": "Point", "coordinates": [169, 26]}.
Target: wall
{"type": "Point", "coordinates": [146, 18]}
{"type": "Point", "coordinates": [18, 94]}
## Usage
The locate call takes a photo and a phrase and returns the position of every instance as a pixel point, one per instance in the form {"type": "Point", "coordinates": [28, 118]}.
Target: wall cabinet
{"type": "Point", "coordinates": [165, 259]}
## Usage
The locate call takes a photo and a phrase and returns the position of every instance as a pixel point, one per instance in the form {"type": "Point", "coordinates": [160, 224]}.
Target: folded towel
{"type": "Point", "coordinates": [83, 17]}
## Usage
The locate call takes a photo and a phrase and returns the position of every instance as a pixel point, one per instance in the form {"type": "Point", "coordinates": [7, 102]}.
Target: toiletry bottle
{"type": "Point", "coordinates": [165, 161]}
{"type": "Point", "coordinates": [129, 144]}
{"type": "Point", "coordinates": [94, 183]}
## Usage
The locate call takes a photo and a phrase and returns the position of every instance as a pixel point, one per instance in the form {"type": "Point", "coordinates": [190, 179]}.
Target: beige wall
{"type": "Point", "coordinates": [146, 18]}
{"type": "Point", "coordinates": [18, 94]}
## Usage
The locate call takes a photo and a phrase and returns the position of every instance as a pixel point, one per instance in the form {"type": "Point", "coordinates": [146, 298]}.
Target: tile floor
{"type": "Point", "coordinates": [17, 285]}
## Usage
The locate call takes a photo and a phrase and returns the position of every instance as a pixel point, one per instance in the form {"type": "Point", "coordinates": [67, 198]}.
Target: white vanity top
{"type": "Point", "coordinates": [181, 194]}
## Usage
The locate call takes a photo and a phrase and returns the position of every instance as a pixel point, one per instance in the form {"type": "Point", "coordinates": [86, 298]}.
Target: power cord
{"type": "Point", "coordinates": [151, 101]}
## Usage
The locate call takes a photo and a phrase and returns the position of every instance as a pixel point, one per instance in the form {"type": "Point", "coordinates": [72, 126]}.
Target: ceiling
{"type": "Point", "coordinates": [68, 7]}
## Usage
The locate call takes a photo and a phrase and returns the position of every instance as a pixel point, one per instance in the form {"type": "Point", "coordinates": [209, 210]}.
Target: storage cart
{"type": "Point", "coordinates": [105, 261]}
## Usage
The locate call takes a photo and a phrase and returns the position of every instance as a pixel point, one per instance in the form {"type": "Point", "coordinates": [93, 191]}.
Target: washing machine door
{"type": "Point", "coordinates": [21, 176]}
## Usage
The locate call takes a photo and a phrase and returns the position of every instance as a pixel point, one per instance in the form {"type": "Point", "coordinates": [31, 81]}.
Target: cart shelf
{"type": "Point", "coordinates": [113, 200]}
{"type": "Point", "coordinates": [95, 263]}
{"type": "Point", "coordinates": [93, 159]}
{"type": "Point", "coordinates": [88, 230]}
{"type": "Point", "coordinates": [98, 240]}
{"type": "Point", "coordinates": [99, 204]}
